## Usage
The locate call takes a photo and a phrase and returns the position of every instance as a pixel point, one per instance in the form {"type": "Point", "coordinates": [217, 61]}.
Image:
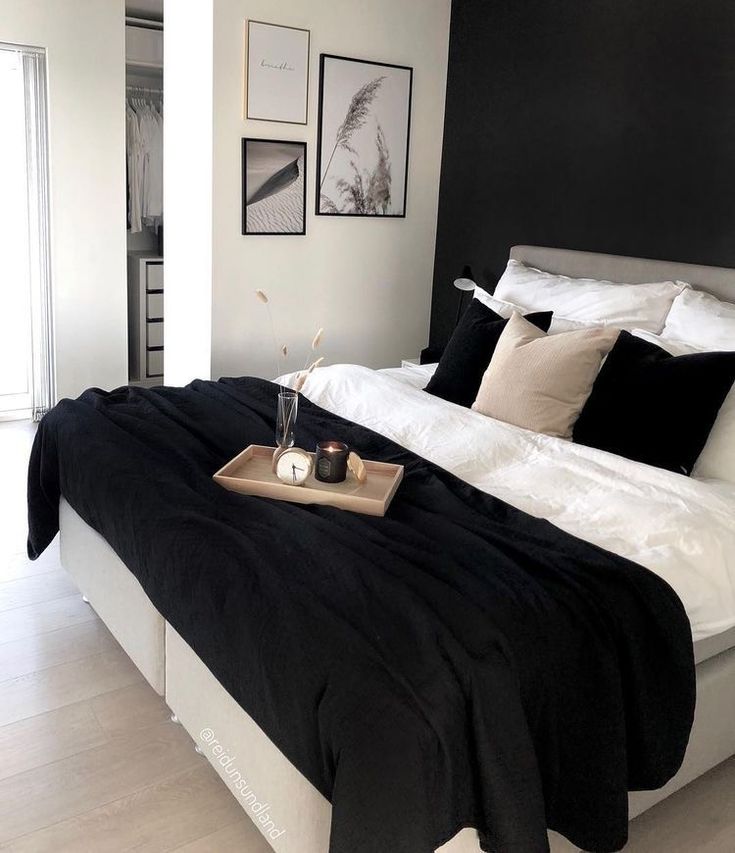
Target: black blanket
{"type": "Point", "coordinates": [456, 663]}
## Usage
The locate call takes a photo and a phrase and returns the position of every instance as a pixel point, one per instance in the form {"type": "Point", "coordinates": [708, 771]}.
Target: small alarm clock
{"type": "Point", "coordinates": [293, 466]}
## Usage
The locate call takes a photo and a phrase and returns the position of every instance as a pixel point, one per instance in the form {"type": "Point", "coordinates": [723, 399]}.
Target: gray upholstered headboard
{"type": "Point", "coordinates": [720, 281]}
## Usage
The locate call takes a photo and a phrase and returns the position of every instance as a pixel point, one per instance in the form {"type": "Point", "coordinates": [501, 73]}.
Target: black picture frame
{"type": "Point", "coordinates": [296, 144]}
{"type": "Point", "coordinates": [319, 179]}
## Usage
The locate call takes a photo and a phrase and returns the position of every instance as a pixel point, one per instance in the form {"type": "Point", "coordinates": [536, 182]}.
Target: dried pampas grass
{"type": "Point", "coordinates": [302, 375]}
{"type": "Point", "coordinates": [262, 297]}
{"type": "Point", "coordinates": [282, 351]}
{"type": "Point", "coordinates": [355, 118]}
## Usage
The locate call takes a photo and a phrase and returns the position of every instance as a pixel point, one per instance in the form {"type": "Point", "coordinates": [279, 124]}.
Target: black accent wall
{"type": "Point", "coordinates": [605, 125]}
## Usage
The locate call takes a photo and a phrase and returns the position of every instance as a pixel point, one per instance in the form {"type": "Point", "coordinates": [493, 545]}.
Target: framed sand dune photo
{"type": "Point", "coordinates": [364, 127]}
{"type": "Point", "coordinates": [273, 186]}
{"type": "Point", "coordinates": [277, 68]}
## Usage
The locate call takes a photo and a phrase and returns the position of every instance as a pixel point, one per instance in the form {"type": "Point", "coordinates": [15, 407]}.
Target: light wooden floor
{"type": "Point", "coordinates": [89, 760]}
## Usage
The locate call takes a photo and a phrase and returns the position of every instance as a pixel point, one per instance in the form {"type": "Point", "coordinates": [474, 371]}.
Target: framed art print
{"type": "Point", "coordinates": [273, 186]}
{"type": "Point", "coordinates": [277, 64]}
{"type": "Point", "coordinates": [364, 129]}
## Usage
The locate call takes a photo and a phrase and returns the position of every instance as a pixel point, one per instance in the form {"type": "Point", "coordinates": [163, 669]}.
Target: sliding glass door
{"type": "Point", "coordinates": [26, 344]}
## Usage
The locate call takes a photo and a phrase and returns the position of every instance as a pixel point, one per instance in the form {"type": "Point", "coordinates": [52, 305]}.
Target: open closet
{"type": "Point", "coordinates": [144, 161]}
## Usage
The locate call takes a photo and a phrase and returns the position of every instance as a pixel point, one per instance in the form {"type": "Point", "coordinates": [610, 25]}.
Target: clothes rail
{"type": "Point", "coordinates": [144, 148]}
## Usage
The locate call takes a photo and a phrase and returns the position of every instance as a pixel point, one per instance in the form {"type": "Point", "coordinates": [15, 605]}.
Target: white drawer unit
{"type": "Point", "coordinates": [154, 306]}
{"type": "Point", "coordinates": [154, 333]}
{"type": "Point", "coordinates": [154, 363]}
{"type": "Point", "coordinates": [154, 276]}
{"type": "Point", "coordinates": [145, 318]}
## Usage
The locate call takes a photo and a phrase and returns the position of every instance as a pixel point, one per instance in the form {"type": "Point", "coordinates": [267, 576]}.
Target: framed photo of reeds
{"type": "Point", "coordinates": [364, 128]}
{"type": "Point", "coordinates": [273, 186]}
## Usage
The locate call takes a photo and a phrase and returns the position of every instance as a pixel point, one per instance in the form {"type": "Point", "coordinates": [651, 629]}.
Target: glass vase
{"type": "Point", "coordinates": [288, 406]}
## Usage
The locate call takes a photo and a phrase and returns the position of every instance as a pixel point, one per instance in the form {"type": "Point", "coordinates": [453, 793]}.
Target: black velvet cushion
{"type": "Point", "coordinates": [468, 353]}
{"type": "Point", "coordinates": [654, 407]}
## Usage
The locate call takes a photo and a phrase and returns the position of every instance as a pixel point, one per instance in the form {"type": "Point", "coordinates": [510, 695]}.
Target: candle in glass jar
{"type": "Point", "coordinates": [331, 461]}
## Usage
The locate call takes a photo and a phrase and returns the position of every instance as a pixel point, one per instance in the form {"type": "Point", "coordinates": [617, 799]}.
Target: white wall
{"type": "Point", "coordinates": [367, 281]}
{"type": "Point", "coordinates": [85, 53]}
{"type": "Point", "coordinates": [187, 189]}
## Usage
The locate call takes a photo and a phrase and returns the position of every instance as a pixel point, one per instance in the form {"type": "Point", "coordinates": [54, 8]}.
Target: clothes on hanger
{"type": "Point", "coordinates": [144, 142]}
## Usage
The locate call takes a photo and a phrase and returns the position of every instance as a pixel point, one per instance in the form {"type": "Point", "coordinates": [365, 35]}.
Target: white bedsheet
{"type": "Point", "coordinates": [680, 528]}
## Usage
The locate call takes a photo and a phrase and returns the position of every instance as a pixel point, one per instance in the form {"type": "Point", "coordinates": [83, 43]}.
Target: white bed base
{"type": "Point", "coordinates": [298, 816]}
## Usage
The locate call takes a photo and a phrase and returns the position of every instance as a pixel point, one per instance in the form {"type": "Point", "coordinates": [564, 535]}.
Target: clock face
{"type": "Point", "coordinates": [293, 466]}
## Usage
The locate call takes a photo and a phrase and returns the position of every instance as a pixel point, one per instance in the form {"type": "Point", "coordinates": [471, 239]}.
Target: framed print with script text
{"type": "Point", "coordinates": [277, 67]}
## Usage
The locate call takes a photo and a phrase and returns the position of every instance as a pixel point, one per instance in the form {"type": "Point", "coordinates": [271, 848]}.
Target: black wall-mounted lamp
{"type": "Point", "coordinates": [464, 283]}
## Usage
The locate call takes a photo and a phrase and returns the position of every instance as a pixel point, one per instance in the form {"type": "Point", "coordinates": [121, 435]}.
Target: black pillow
{"type": "Point", "coordinates": [468, 353]}
{"type": "Point", "coordinates": [654, 407]}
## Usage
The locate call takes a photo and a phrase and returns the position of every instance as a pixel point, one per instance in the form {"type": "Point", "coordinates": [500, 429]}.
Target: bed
{"type": "Point", "coordinates": [604, 500]}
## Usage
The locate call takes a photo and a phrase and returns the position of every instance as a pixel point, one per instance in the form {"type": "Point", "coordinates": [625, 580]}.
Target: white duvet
{"type": "Point", "coordinates": [681, 528]}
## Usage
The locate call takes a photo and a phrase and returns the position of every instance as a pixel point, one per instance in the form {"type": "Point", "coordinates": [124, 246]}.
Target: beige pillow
{"type": "Point", "coordinates": [539, 381]}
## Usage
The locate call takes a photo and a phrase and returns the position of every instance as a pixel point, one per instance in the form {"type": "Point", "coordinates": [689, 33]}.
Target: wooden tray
{"type": "Point", "coordinates": [250, 473]}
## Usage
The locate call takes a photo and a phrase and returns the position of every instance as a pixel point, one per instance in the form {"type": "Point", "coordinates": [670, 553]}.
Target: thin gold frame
{"type": "Point", "coordinates": [246, 74]}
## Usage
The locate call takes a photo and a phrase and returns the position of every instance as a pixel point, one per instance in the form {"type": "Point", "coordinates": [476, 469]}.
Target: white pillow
{"type": "Point", "coordinates": [672, 347]}
{"type": "Point", "coordinates": [626, 306]}
{"type": "Point", "coordinates": [701, 319]}
{"type": "Point", "coordinates": [558, 324]}
{"type": "Point", "coordinates": [717, 459]}
{"type": "Point", "coordinates": [505, 309]}
{"type": "Point", "coordinates": [564, 324]}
